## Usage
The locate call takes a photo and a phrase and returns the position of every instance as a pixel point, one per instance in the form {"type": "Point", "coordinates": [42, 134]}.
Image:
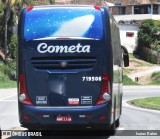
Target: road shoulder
{"type": "Point", "coordinates": [7, 92]}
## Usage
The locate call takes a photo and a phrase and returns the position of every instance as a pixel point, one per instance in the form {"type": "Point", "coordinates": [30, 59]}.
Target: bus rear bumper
{"type": "Point", "coordinates": [91, 117]}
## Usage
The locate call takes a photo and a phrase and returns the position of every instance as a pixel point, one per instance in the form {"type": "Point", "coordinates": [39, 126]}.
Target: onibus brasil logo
{"type": "Point", "coordinates": [44, 48]}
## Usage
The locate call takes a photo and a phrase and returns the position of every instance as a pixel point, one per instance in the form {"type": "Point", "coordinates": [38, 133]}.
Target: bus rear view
{"type": "Point", "coordinates": [65, 68]}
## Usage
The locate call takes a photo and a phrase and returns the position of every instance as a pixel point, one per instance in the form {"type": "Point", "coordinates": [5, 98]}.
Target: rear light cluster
{"type": "Point", "coordinates": [104, 95]}
{"type": "Point", "coordinates": [97, 8]}
{"type": "Point", "coordinates": [23, 96]}
{"type": "Point", "coordinates": [29, 8]}
{"type": "Point", "coordinates": [26, 118]}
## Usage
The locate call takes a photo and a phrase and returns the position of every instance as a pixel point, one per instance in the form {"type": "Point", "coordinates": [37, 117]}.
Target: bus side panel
{"type": "Point", "coordinates": [117, 70]}
{"type": "Point", "coordinates": [108, 57]}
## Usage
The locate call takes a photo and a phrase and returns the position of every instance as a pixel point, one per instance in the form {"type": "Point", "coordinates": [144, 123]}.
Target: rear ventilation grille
{"type": "Point", "coordinates": [63, 63]}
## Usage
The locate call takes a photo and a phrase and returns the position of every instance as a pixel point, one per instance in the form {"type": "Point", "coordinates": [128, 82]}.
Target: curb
{"type": "Point", "coordinates": [125, 104]}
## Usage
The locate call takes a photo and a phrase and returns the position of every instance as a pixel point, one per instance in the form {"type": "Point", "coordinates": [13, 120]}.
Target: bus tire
{"type": "Point", "coordinates": [113, 126]}
{"type": "Point", "coordinates": [117, 123]}
{"type": "Point", "coordinates": [121, 105]}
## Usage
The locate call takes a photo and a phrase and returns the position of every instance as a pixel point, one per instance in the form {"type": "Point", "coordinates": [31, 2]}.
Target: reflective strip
{"type": "Point", "coordinates": [73, 107]}
{"type": "Point", "coordinates": [118, 107]}
{"type": "Point", "coordinates": [112, 110]}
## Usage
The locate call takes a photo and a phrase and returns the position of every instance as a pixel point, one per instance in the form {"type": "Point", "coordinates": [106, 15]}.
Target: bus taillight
{"type": "Point", "coordinates": [104, 96]}
{"type": "Point", "coordinates": [97, 8]}
{"type": "Point", "coordinates": [29, 8]}
{"type": "Point", "coordinates": [23, 96]}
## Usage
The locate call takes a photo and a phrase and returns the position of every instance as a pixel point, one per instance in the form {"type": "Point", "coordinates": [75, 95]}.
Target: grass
{"type": "Point", "coordinates": [154, 83]}
{"type": "Point", "coordinates": [131, 55]}
{"type": "Point", "coordinates": [140, 63]}
{"type": "Point", "coordinates": [128, 81]}
{"type": "Point", "coordinates": [5, 81]}
{"type": "Point", "coordinates": [128, 70]}
{"type": "Point", "coordinates": [155, 78]}
{"type": "Point", "coordinates": [137, 65]}
{"type": "Point", "coordinates": [9, 84]}
{"type": "Point", "coordinates": [150, 103]}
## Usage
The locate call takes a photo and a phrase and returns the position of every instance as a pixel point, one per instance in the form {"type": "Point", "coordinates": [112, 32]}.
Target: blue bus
{"type": "Point", "coordinates": [69, 68]}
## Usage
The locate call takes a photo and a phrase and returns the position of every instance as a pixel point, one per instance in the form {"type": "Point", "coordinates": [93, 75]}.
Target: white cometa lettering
{"type": "Point", "coordinates": [44, 48]}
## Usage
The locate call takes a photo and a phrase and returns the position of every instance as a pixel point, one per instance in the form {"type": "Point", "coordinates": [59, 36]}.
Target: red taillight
{"type": "Point", "coordinates": [23, 96]}
{"type": "Point", "coordinates": [102, 118]}
{"type": "Point", "coordinates": [26, 118]}
{"type": "Point", "coordinates": [29, 8]}
{"type": "Point", "coordinates": [97, 8]}
{"type": "Point", "coordinates": [105, 83]}
{"type": "Point", "coordinates": [104, 95]}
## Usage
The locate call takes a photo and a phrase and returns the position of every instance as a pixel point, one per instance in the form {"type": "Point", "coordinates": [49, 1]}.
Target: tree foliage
{"type": "Point", "coordinates": [9, 12]}
{"type": "Point", "coordinates": [149, 41]}
{"type": "Point", "coordinates": [149, 34]}
{"type": "Point", "coordinates": [9, 9]}
{"type": "Point", "coordinates": [13, 47]}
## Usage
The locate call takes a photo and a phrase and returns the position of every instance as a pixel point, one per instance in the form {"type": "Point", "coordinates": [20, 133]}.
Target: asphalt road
{"type": "Point", "coordinates": [132, 118]}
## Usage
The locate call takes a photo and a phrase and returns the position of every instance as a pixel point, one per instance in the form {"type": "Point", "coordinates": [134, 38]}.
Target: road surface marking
{"type": "Point", "coordinates": [8, 100]}
{"type": "Point", "coordinates": [7, 97]}
{"type": "Point", "coordinates": [120, 128]}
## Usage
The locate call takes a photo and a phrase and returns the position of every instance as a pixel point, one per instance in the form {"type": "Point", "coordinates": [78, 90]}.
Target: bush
{"type": "Point", "coordinates": [148, 41]}
{"type": "Point", "coordinates": [146, 33]}
{"type": "Point", "coordinates": [156, 76]}
{"type": "Point", "coordinates": [9, 69]}
{"type": "Point", "coordinates": [13, 46]}
{"type": "Point", "coordinates": [29, 2]}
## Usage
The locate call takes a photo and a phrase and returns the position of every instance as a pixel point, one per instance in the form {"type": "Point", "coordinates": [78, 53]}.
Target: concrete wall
{"type": "Point", "coordinates": [129, 42]}
{"type": "Point", "coordinates": [115, 10]}
{"type": "Point", "coordinates": [137, 17]}
{"type": "Point", "coordinates": [129, 10]}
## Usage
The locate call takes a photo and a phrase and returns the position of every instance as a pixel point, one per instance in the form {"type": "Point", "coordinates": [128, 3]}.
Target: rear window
{"type": "Point", "coordinates": [61, 22]}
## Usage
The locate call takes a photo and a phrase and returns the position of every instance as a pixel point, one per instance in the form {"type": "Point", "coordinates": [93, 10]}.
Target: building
{"type": "Point", "coordinates": [136, 12]}
{"type": "Point", "coordinates": [129, 34]}
{"type": "Point", "coordinates": [128, 14]}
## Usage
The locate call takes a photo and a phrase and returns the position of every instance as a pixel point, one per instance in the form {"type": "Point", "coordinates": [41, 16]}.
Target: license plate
{"type": "Point", "coordinates": [64, 119]}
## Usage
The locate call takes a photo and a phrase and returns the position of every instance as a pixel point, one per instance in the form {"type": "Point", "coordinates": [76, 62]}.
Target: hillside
{"type": "Point", "coordinates": [92, 2]}
{"type": "Point", "coordinates": [143, 70]}
{"type": "Point", "coordinates": [82, 2]}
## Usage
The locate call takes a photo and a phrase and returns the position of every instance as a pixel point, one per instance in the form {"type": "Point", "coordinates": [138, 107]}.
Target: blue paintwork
{"type": "Point", "coordinates": [40, 23]}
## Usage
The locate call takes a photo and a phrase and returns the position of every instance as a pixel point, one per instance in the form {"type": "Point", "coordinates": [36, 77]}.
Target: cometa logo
{"type": "Point", "coordinates": [44, 48]}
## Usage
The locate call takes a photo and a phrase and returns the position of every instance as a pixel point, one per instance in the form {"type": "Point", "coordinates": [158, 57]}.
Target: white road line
{"type": "Point", "coordinates": [7, 97]}
{"type": "Point", "coordinates": [8, 100]}
{"type": "Point", "coordinates": [120, 128]}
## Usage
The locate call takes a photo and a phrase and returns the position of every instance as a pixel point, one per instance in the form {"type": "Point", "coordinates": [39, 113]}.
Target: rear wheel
{"type": "Point", "coordinates": [117, 123]}
{"type": "Point", "coordinates": [113, 126]}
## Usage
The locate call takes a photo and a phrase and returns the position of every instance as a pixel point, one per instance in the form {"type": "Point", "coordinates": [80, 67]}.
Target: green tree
{"type": "Point", "coordinates": [148, 40]}
{"type": "Point", "coordinates": [13, 47]}
{"type": "Point", "coordinates": [52, 1]}
{"type": "Point", "coordinates": [10, 8]}
{"type": "Point", "coordinates": [148, 35]}
{"type": "Point", "coordinates": [145, 34]}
